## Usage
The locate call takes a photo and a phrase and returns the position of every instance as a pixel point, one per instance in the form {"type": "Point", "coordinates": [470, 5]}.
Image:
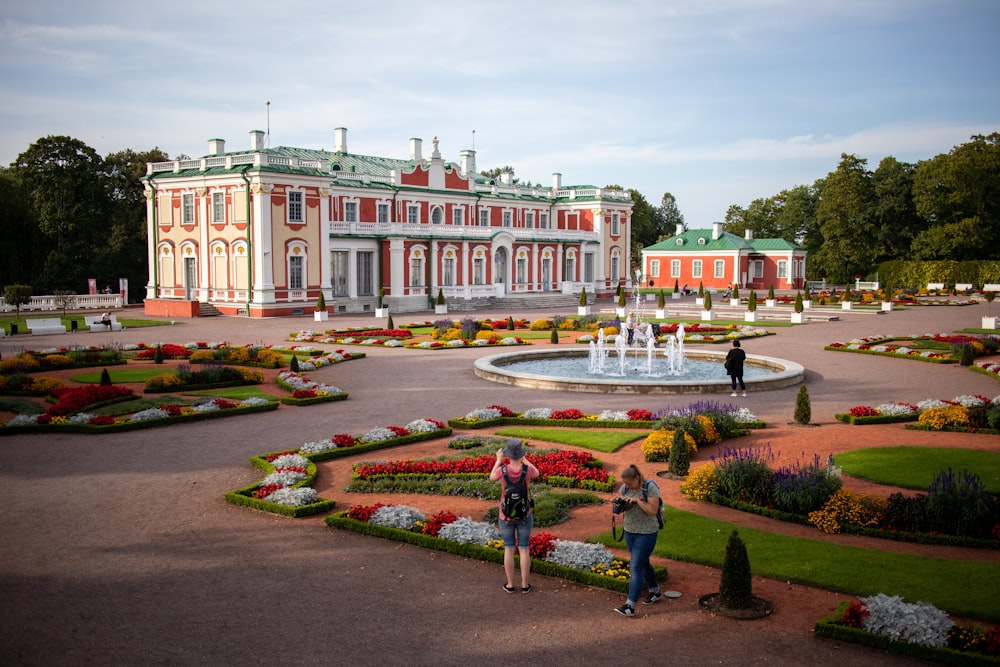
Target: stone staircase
{"type": "Point", "coordinates": [207, 310]}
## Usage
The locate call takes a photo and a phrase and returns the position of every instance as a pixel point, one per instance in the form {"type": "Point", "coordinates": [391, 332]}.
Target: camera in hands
{"type": "Point", "coordinates": [619, 505]}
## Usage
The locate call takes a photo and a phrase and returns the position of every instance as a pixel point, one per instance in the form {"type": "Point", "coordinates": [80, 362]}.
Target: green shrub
{"type": "Point", "coordinates": [736, 587]}
{"type": "Point", "coordinates": [803, 409]}
{"type": "Point", "coordinates": [680, 455]}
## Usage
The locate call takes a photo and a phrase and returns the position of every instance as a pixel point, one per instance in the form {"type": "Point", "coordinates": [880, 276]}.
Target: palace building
{"type": "Point", "coordinates": [262, 232]}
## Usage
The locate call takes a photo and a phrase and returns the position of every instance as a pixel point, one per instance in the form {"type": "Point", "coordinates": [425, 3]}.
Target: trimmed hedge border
{"type": "Point", "coordinates": [915, 357]}
{"type": "Point", "coordinates": [876, 419]}
{"type": "Point", "coordinates": [180, 388]}
{"type": "Point", "coordinates": [134, 426]}
{"type": "Point", "coordinates": [291, 400]}
{"type": "Point", "coordinates": [953, 429]}
{"type": "Point", "coordinates": [828, 628]}
{"type": "Point", "coordinates": [539, 566]}
{"type": "Point", "coordinates": [571, 423]}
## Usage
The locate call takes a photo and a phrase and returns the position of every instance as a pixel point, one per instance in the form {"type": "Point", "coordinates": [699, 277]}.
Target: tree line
{"type": "Point", "coordinates": [70, 214]}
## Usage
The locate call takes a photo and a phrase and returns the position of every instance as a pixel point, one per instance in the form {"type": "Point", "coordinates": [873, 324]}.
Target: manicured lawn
{"type": "Point", "coordinates": [122, 375]}
{"type": "Point", "coordinates": [915, 467]}
{"type": "Point", "coordinates": [960, 587]}
{"type": "Point", "coordinates": [594, 439]}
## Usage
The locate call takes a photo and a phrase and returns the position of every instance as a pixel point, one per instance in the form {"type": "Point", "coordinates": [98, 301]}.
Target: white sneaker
{"type": "Point", "coordinates": [733, 394]}
{"type": "Point", "coordinates": [744, 394]}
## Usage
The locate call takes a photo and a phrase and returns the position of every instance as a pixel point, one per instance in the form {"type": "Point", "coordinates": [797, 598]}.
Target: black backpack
{"type": "Point", "coordinates": [515, 503]}
{"type": "Point", "coordinates": [645, 496]}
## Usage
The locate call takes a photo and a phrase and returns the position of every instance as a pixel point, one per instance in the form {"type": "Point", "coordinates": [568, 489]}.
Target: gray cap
{"type": "Point", "coordinates": [513, 449]}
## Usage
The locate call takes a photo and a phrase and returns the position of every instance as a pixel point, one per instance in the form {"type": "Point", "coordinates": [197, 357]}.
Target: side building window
{"type": "Point", "coordinates": [219, 207]}
{"type": "Point", "coordinates": [187, 209]}
{"type": "Point", "coordinates": [295, 206]}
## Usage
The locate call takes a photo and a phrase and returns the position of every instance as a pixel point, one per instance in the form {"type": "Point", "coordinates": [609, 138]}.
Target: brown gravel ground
{"type": "Point", "coordinates": [120, 549]}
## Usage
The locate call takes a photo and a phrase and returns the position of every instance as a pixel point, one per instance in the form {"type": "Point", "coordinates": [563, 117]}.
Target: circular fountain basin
{"type": "Point", "coordinates": [516, 368]}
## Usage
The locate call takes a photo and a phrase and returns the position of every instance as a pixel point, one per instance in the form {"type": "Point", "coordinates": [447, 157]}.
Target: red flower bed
{"type": "Point", "coordinates": [504, 412]}
{"type": "Point", "coordinates": [344, 440]}
{"type": "Point", "coordinates": [304, 393]}
{"type": "Point", "coordinates": [265, 491]}
{"type": "Point", "coordinates": [434, 524]}
{"type": "Point", "coordinates": [570, 413]}
{"type": "Point", "coordinates": [541, 544]}
{"type": "Point", "coordinates": [574, 465]}
{"type": "Point", "coordinates": [169, 351]}
{"type": "Point", "coordinates": [640, 415]}
{"type": "Point", "coordinates": [363, 512]}
{"type": "Point", "coordinates": [863, 411]}
{"type": "Point", "coordinates": [70, 400]}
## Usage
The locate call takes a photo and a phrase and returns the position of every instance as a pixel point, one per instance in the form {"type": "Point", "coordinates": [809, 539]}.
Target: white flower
{"type": "Point", "coordinates": [458, 342]}
{"type": "Point", "coordinates": [969, 401]}
{"type": "Point", "coordinates": [893, 409]}
{"type": "Point", "coordinates": [317, 446]}
{"type": "Point", "coordinates": [79, 418]}
{"type": "Point", "coordinates": [483, 414]}
{"type": "Point", "coordinates": [290, 461]}
{"type": "Point", "coordinates": [466, 531]}
{"type": "Point", "coordinates": [149, 414]}
{"type": "Point", "coordinates": [396, 516]}
{"type": "Point", "coordinates": [579, 555]}
{"type": "Point", "coordinates": [916, 623]}
{"type": "Point", "coordinates": [207, 406]}
{"type": "Point", "coordinates": [509, 341]}
{"type": "Point", "coordinates": [294, 497]}
{"type": "Point", "coordinates": [614, 416]}
{"type": "Point", "coordinates": [254, 401]}
{"type": "Point", "coordinates": [393, 343]}
{"type": "Point", "coordinates": [422, 426]}
{"type": "Point", "coordinates": [744, 416]}
{"type": "Point", "coordinates": [378, 434]}
{"type": "Point", "coordinates": [538, 413]}
{"type": "Point", "coordinates": [21, 420]}
{"type": "Point", "coordinates": [283, 478]}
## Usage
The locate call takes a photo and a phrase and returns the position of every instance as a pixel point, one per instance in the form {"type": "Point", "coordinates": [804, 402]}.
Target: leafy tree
{"type": "Point", "coordinates": [669, 215]}
{"type": "Point", "coordinates": [17, 296]}
{"type": "Point", "coordinates": [958, 194]}
{"type": "Point", "coordinates": [21, 261]}
{"type": "Point", "coordinates": [62, 179]}
{"type": "Point", "coordinates": [845, 216]}
{"type": "Point", "coordinates": [897, 223]}
{"type": "Point", "coordinates": [645, 227]}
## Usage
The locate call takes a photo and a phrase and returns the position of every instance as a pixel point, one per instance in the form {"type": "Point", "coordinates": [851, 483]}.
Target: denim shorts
{"type": "Point", "coordinates": [517, 533]}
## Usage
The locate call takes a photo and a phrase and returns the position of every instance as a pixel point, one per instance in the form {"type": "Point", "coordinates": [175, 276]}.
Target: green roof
{"type": "Point", "coordinates": [700, 241]}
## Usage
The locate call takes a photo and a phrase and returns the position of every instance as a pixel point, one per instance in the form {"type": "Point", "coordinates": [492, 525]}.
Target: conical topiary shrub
{"type": "Point", "coordinates": [105, 378]}
{"type": "Point", "coordinates": [621, 298]}
{"type": "Point", "coordinates": [293, 365]}
{"type": "Point", "coordinates": [554, 338]}
{"type": "Point", "coordinates": [381, 297]}
{"type": "Point", "coordinates": [752, 301]}
{"type": "Point", "coordinates": [158, 355]}
{"type": "Point", "coordinates": [321, 303]}
{"type": "Point", "coordinates": [736, 587]}
{"type": "Point", "coordinates": [583, 296]}
{"type": "Point", "coordinates": [660, 300]}
{"type": "Point", "coordinates": [677, 287]}
{"type": "Point", "coordinates": [510, 323]}
{"type": "Point", "coordinates": [770, 291]}
{"type": "Point", "coordinates": [440, 297]}
{"type": "Point", "coordinates": [798, 302]}
{"type": "Point", "coordinates": [701, 289]}
{"type": "Point", "coordinates": [847, 294]}
{"type": "Point", "coordinates": [708, 301]}
{"type": "Point", "coordinates": [736, 291]}
{"type": "Point", "coordinates": [680, 456]}
{"type": "Point", "coordinates": [803, 409]}
{"type": "Point", "coordinates": [389, 325]}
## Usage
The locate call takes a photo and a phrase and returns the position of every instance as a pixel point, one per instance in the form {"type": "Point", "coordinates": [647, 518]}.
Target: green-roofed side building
{"type": "Point", "coordinates": [262, 232]}
{"type": "Point", "coordinates": [718, 260]}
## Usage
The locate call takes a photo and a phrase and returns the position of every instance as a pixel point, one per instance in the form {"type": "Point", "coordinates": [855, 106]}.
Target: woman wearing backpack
{"type": "Point", "coordinates": [641, 524]}
{"type": "Point", "coordinates": [515, 531]}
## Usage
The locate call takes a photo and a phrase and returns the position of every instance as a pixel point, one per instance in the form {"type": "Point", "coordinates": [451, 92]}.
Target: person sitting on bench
{"type": "Point", "coordinates": [106, 319]}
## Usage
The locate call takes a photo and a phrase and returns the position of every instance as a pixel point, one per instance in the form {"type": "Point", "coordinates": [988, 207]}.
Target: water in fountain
{"type": "Point", "coordinates": [643, 339]}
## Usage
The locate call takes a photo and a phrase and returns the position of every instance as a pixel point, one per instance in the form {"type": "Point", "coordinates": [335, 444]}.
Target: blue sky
{"type": "Point", "coordinates": [717, 101]}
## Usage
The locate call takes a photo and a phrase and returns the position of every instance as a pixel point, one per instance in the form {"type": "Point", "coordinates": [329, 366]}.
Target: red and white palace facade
{"type": "Point", "coordinates": [261, 232]}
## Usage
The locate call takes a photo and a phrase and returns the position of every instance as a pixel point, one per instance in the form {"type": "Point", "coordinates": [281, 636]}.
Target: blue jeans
{"type": "Point", "coordinates": [517, 532]}
{"type": "Point", "coordinates": [640, 548]}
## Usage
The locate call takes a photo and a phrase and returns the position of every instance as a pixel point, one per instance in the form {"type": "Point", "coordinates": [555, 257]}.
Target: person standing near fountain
{"type": "Point", "coordinates": [734, 367]}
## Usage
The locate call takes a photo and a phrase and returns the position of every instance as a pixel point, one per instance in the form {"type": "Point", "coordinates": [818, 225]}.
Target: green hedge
{"type": "Point", "coordinates": [876, 419]}
{"type": "Point", "coordinates": [829, 628]}
{"type": "Point", "coordinates": [342, 521]}
{"type": "Point", "coordinates": [368, 447]}
{"type": "Point", "coordinates": [291, 400]}
{"type": "Point", "coordinates": [915, 357]}
{"type": "Point", "coordinates": [244, 497]}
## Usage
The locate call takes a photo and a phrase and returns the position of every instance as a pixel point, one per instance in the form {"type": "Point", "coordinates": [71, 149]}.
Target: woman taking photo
{"type": "Point", "coordinates": [641, 524]}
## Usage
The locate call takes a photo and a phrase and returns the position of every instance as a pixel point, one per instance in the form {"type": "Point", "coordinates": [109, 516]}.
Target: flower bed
{"type": "Point", "coordinates": [966, 413]}
{"type": "Point", "coordinates": [570, 469]}
{"type": "Point", "coordinates": [936, 348]}
{"type": "Point", "coordinates": [166, 415]}
{"type": "Point", "coordinates": [287, 488]}
{"type": "Point", "coordinates": [919, 630]}
{"type": "Point", "coordinates": [638, 418]}
{"type": "Point", "coordinates": [306, 391]}
{"type": "Point", "coordinates": [589, 564]}
{"type": "Point", "coordinates": [457, 343]}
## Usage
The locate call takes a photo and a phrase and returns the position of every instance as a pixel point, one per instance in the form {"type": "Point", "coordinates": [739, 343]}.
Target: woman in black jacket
{"type": "Point", "coordinates": [734, 366]}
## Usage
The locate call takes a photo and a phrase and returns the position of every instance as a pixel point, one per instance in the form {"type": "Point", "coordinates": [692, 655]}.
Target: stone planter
{"type": "Point", "coordinates": [661, 314]}
{"type": "Point", "coordinates": [798, 318]}
{"type": "Point", "coordinates": [807, 303]}
{"type": "Point", "coordinates": [321, 316]}
{"type": "Point", "coordinates": [989, 322]}
{"type": "Point", "coordinates": [675, 295]}
{"type": "Point", "coordinates": [441, 309]}
{"type": "Point", "coordinates": [382, 312]}
{"type": "Point", "coordinates": [750, 316]}
{"type": "Point", "coordinates": [735, 303]}
{"type": "Point", "coordinates": [699, 301]}
{"type": "Point", "coordinates": [706, 315]}
{"type": "Point", "coordinates": [769, 303]}
{"type": "Point", "coordinates": [846, 305]}
{"type": "Point", "coordinates": [887, 306]}
{"type": "Point", "coordinates": [620, 311]}
{"type": "Point", "coordinates": [583, 310]}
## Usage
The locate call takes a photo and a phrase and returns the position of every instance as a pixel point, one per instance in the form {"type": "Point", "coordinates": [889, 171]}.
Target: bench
{"type": "Point", "coordinates": [963, 287]}
{"type": "Point", "coordinates": [935, 286]}
{"type": "Point", "coordinates": [94, 322]}
{"type": "Point", "coordinates": [45, 325]}
{"type": "Point", "coordinates": [991, 287]}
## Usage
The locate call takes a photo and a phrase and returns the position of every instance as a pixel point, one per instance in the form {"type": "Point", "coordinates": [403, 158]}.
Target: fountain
{"type": "Point", "coordinates": [593, 370]}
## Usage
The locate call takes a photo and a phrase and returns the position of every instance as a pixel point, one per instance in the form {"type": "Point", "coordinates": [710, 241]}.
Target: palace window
{"type": "Point", "coordinates": [615, 224]}
{"type": "Point", "coordinates": [484, 217]}
{"type": "Point", "coordinates": [529, 220]}
{"type": "Point", "coordinates": [543, 220]}
{"type": "Point", "coordinates": [522, 271]}
{"type": "Point", "coordinates": [413, 214]}
{"type": "Point", "coordinates": [478, 275]}
{"type": "Point", "coordinates": [437, 216]}
{"type": "Point", "coordinates": [458, 216]}
{"type": "Point", "coordinates": [416, 271]}
{"type": "Point", "coordinates": [675, 268]}
{"type": "Point", "coordinates": [654, 268]}
{"type": "Point", "coordinates": [187, 209]}
{"type": "Point", "coordinates": [295, 272]}
{"type": "Point", "coordinates": [338, 272]}
{"type": "Point", "coordinates": [366, 262]}
{"type": "Point", "coordinates": [720, 268]}
{"type": "Point", "coordinates": [696, 268]}
{"type": "Point", "coordinates": [350, 211]}
{"type": "Point", "coordinates": [783, 269]}
{"type": "Point", "coordinates": [507, 219]}
{"type": "Point", "coordinates": [449, 271]}
{"type": "Point", "coordinates": [295, 206]}
{"type": "Point", "coordinates": [382, 211]}
{"type": "Point", "coordinates": [219, 207]}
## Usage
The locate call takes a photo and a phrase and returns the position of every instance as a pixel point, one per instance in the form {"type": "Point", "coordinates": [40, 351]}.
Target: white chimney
{"type": "Point", "coordinates": [556, 181]}
{"type": "Point", "coordinates": [340, 140]}
{"type": "Point", "coordinates": [679, 229]}
{"type": "Point", "coordinates": [748, 234]}
{"type": "Point", "coordinates": [467, 160]}
{"type": "Point", "coordinates": [505, 177]}
{"type": "Point", "coordinates": [716, 230]}
{"type": "Point", "coordinates": [216, 146]}
{"type": "Point", "coordinates": [256, 140]}
{"type": "Point", "coordinates": [415, 149]}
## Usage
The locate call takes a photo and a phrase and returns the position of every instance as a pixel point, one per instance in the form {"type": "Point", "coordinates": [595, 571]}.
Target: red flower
{"type": "Point", "coordinates": [855, 615]}
{"type": "Point", "coordinates": [363, 512]}
{"type": "Point", "coordinates": [343, 440]}
{"type": "Point", "coordinates": [434, 524]}
{"type": "Point", "coordinates": [640, 415]}
{"type": "Point", "coordinates": [863, 411]}
{"type": "Point", "coordinates": [541, 544]}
